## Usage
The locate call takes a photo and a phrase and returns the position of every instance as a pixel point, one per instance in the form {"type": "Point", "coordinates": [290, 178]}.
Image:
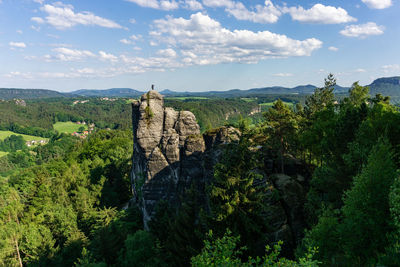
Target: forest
{"type": "Point", "coordinates": [66, 203]}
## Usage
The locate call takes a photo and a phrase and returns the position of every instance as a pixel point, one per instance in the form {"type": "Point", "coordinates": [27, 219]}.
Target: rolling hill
{"type": "Point", "coordinates": [11, 93]}
{"type": "Point", "coordinates": [389, 86]}
{"type": "Point", "coordinates": [112, 92]}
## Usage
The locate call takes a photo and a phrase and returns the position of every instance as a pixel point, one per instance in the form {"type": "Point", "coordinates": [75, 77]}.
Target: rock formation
{"type": "Point", "coordinates": [170, 154]}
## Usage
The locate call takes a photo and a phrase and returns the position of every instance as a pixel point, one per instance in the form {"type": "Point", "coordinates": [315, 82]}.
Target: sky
{"type": "Point", "coordinates": [196, 45]}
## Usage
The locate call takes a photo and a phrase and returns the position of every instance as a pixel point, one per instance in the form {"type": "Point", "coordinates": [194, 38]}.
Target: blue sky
{"type": "Point", "coordinates": [196, 45]}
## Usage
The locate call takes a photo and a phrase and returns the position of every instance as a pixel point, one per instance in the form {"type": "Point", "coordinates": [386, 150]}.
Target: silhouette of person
{"type": "Point", "coordinates": [152, 87]}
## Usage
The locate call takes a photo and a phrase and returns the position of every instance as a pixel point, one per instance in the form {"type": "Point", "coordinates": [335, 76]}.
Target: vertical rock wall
{"type": "Point", "coordinates": [167, 153]}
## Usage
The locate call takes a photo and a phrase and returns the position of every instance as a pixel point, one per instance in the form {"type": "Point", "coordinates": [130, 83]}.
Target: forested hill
{"type": "Point", "coordinates": [113, 92]}
{"type": "Point", "coordinates": [11, 93]}
{"type": "Point", "coordinates": [256, 92]}
{"type": "Point", "coordinates": [389, 86]}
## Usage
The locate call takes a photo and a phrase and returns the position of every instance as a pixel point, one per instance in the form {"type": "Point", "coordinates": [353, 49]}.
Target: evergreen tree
{"type": "Point", "coordinates": [321, 98]}
{"type": "Point", "coordinates": [236, 202]}
{"type": "Point", "coordinates": [281, 125]}
{"type": "Point", "coordinates": [366, 210]}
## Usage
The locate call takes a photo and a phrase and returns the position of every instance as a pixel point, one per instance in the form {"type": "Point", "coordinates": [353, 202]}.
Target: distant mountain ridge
{"type": "Point", "coordinates": [11, 93]}
{"type": "Point", "coordinates": [112, 92]}
{"type": "Point", "coordinates": [301, 89]}
{"type": "Point", "coordinates": [389, 86]}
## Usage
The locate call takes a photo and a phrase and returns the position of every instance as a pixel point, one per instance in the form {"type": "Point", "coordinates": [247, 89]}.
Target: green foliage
{"type": "Point", "coordinates": [140, 250]}
{"type": "Point", "coordinates": [236, 201]}
{"type": "Point", "coordinates": [358, 235]}
{"type": "Point", "coordinates": [358, 94]}
{"type": "Point", "coordinates": [13, 143]}
{"type": "Point", "coordinates": [366, 206]}
{"type": "Point", "coordinates": [225, 252]}
{"type": "Point", "coordinates": [281, 126]}
{"type": "Point", "coordinates": [321, 98]}
{"type": "Point", "coordinates": [214, 112]}
{"type": "Point", "coordinates": [50, 212]}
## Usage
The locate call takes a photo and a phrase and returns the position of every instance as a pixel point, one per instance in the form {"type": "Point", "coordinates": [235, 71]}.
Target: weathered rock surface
{"type": "Point", "coordinates": [170, 154]}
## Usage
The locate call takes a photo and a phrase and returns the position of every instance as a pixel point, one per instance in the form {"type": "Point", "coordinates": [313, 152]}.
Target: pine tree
{"type": "Point", "coordinates": [281, 125]}
{"type": "Point", "coordinates": [366, 212]}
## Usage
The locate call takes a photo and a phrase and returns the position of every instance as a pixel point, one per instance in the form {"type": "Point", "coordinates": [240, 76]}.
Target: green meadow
{"type": "Point", "coordinates": [5, 134]}
{"type": "Point", "coordinates": [68, 127]}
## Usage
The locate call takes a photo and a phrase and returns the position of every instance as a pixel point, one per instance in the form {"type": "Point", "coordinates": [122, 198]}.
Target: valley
{"type": "Point", "coordinates": [170, 174]}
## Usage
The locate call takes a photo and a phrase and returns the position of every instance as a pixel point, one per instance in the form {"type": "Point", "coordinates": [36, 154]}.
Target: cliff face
{"type": "Point", "coordinates": [169, 154]}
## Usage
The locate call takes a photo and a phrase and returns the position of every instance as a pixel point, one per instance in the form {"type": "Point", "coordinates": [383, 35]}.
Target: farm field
{"type": "Point", "coordinates": [265, 106]}
{"type": "Point", "coordinates": [248, 99]}
{"type": "Point", "coordinates": [5, 134]}
{"type": "Point", "coordinates": [68, 127]}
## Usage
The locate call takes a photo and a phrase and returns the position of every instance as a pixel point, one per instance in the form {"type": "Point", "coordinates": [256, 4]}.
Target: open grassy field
{"type": "Point", "coordinates": [248, 99]}
{"type": "Point", "coordinates": [5, 134]}
{"type": "Point", "coordinates": [182, 98]}
{"type": "Point", "coordinates": [68, 127]}
{"type": "Point", "coordinates": [265, 106]}
{"type": "Point", "coordinates": [2, 153]}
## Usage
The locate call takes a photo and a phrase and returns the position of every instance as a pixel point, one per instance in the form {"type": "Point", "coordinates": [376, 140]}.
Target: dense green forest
{"type": "Point", "coordinates": [39, 115]}
{"type": "Point", "coordinates": [66, 203]}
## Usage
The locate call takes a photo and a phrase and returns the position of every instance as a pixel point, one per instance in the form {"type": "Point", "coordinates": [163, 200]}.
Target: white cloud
{"type": "Point", "coordinates": [38, 20]}
{"type": "Point", "coordinates": [67, 54]}
{"type": "Point", "coordinates": [169, 52]}
{"type": "Point", "coordinates": [391, 68]}
{"type": "Point", "coordinates": [39, 1]}
{"type": "Point", "coordinates": [192, 5]}
{"type": "Point", "coordinates": [362, 30]}
{"type": "Point", "coordinates": [218, 3]}
{"type": "Point", "coordinates": [266, 13]}
{"type": "Point", "coordinates": [377, 4]}
{"type": "Point", "coordinates": [63, 16]}
{"type": "Point", "coordinates": [360, 70]}
{"type": "Point", "coordinates": [319, 14]}
{"type": "Point", "coordinates": [132, 39]}
{"type": "Point", "coordinates": [260, 14]}
{"type": "Point", "coordinates": [125, 41]}
{"type": "Point", "coordinates": [135, 37]}
{"type": "Point", "coordinates": [132, 20]}
{"type": "Point", "coordinates": [17, 44]}
{"type": "Point", "coordinates": [107, 57]}
{"type": "Point", "coordinates": [33, 27]}
{"type": "Point", "coordinates": [282, 74]}
{"type": "Point", "coordinates": [19, 32]}
{"type": "Point", "coordinates": [202, 40]}
{"type": "Point", "coordinates": [156, 4]}
{"type": "Point", "coordinates": [152, 43]}
{"type": "Point", "coordinates": [86, 71]}
{"type": "Point", "coordinates": [333, 48]}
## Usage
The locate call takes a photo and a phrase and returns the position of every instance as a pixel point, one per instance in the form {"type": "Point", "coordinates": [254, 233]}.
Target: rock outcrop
{"type": "Point", "coordinates": [170, 154]}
